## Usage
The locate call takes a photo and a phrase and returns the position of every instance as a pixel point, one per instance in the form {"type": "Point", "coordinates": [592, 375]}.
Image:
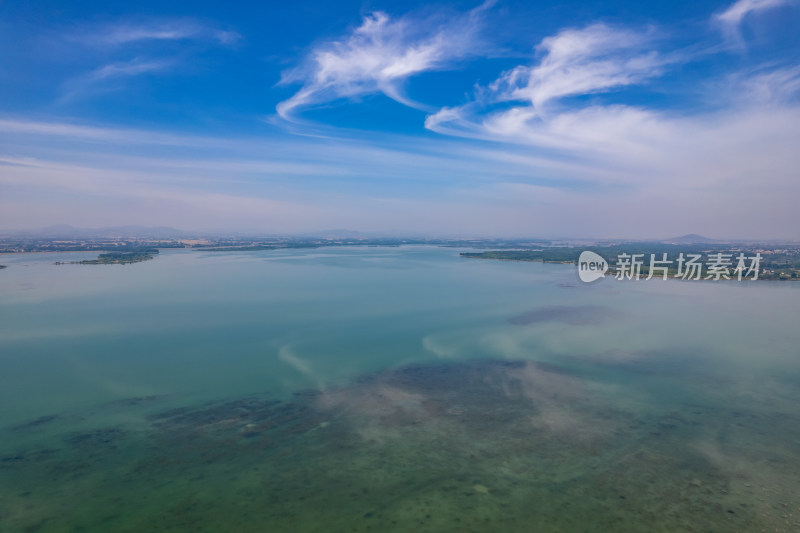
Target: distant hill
{"type": "Point", "coordinates": [691, 238]}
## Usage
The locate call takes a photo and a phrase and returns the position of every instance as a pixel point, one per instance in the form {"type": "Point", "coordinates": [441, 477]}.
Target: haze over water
{"type": "Point", "coordinates": [391, 389]}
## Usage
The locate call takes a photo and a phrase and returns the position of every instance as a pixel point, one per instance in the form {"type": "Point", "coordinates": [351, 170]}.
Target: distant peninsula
{"type": "Point", "coordinates": [116, 258]}
{"type": "Point", "coordinates": [781, 262]}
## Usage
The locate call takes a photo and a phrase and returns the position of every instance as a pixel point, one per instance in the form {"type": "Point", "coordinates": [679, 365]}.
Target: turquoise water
{"type": "Point", "coordinates": [343, 389]}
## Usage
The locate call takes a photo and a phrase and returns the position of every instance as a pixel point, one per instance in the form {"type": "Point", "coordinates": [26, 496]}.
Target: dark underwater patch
{"type": "Point", "coordinates": [582, 315]}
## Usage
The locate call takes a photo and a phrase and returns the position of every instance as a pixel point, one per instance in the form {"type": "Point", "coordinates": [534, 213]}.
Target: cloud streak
{"type": "Point", "coordinates": [766, 87]}
{"type": "Point", "coordinates": [581, 61]}
{"type": "Point", "coordinates": [710, 161]}
{"type": "Point", "coordinates": [736, 13]}
{"type": "Point", "coordinates": [156, 30]}
{"type": "Point", "coordinates": [708, 173]}
{"type": "Point", "coordinates": [124, 69]}
{"type": "Point", "coordinates": [379, 55]}
{"type": "Point", "coordinates": [103, 78]}
{"type": "Point", "coordinates": [575, 62]}
{"type": "Point", "coordinates": [139, 49]}
{"type": "Point", "coordinates": [530, 106]}
{"type": "Point", "coordinates": [732, 18]}
{"type": "Point", "coordinates": [597, 126]}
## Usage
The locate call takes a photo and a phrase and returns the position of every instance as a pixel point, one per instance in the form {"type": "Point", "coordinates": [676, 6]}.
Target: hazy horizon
{"type": "Point", "coordinates": [136, 231]}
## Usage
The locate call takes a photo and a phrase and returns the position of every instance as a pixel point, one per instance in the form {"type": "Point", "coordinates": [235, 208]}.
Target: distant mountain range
{"type": "Point", "coordinates": [66, 231]}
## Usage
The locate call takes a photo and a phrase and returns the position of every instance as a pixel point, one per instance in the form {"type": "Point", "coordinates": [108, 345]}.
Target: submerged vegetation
{"type": "Point", "coordinates": [470, 446]}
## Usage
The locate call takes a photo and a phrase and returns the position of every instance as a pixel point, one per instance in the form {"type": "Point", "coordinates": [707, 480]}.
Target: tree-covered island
{"type": "Point", "coordinates": [118, 258]}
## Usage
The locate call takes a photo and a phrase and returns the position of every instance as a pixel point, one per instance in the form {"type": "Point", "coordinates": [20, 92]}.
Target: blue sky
{"type": "Point", "coordinates": [508, 118]}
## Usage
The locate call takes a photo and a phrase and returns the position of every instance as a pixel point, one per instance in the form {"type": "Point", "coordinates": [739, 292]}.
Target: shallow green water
{"type": "Point", "coordinates": [391, 389]}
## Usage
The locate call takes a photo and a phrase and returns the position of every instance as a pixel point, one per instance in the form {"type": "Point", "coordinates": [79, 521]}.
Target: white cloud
{"type": "Point", "coordinates": [767, 86]}
{"type": "Point", "coordinates": [102, 77]}
{"type": "Point", "coordinates": [600, 59]}
{"type": "Point", "coordinates": [731, 19]}
{"type": "Point", "coordinates": [566, 158]}
{"type": "Point", "coordinates": [121, 69]}
{"type": "Point", "coordinates": [574, 62]}
{"type": "Point", "coordinates": [163, 30]}
{"type": "Point", "coordinates": [126, 34]}
{"type": "Point", "coordinates": [581, 61]}
{"type": "Point", "coordinates": [626, 172]}
{"type": "Point", "coordinates": [379, 55]}
{"type": "Point", "coordinates": [136, 49]}
{"type": "Point", "coordinates": [734, 15]}
{"type": "Point", "coordinates": [711, 166]}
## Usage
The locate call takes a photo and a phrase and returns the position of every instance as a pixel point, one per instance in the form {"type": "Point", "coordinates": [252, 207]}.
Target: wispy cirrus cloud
{"type": "Point", "coordinates": [380, 54]}
{"type": "Point", "coordinates": [765, 86]}
{"type": "Point", "coordinates": [291, 184]}
{"type": "Point", "coordinates": [137, 48]}
{"type": "Point", "coordinates": [122, 69]}
{"type": "Point", "coordinates": [574, 62]}
{"type": "Point", "coordinates": [572, 105]}
{"type": "Point", "coordinates": [742, 147]}
{"type": "Point", "coordinates": [603, 125]}
{"type": "Point", "coordinates": [102, 78]}
{"type": "Point", "coordinates": [731, 19]}
{"type": "Point", "coordinates": [581, 61]}
{"type": "Point", "coordinates": [122, 33]}
{"type": "Point", "coordinates": [737, 11]}
{"type": "Point", "coordinates": [661, 171]}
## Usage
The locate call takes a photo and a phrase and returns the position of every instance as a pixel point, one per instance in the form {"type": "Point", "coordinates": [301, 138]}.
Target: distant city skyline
{"type": "Point", "coordinates": [612, 119]}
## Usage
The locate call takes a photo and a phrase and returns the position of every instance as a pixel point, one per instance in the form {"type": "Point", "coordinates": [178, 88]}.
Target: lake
{"type": "Point", "coordinates": [391, 389]}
